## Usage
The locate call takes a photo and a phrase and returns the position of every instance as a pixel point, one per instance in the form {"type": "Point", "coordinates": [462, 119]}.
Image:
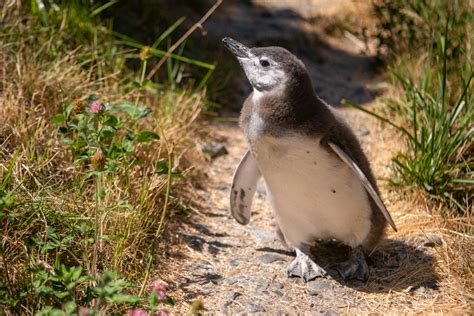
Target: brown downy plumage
{"type": "Point", "coordinates": [284, 119]}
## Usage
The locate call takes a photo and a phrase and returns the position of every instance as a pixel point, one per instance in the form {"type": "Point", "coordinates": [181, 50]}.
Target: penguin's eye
{"type": "Point", "coordinates": [264, 63]}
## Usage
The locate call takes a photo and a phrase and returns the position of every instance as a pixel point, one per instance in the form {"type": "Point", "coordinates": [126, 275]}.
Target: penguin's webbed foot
{"type": "Point", "coordinates": [305, 268]}
{"type": "Point", "coordinates": [355, 268]}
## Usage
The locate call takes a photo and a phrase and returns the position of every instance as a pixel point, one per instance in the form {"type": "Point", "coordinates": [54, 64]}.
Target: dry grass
{"type": "Point", "coordinates": [449, 265]}
{"type": "Point", "coordinates": [51, 191]}
{"type": "Point", "coordinates": [429, 280]}
{"type": "Point", "coordinates": [405, 276]}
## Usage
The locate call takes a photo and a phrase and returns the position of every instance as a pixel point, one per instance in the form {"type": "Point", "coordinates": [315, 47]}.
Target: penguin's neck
{"type": "Point", "coordinates": [288, 106]}
{"type": "Point", "coordinates": [257, 95]}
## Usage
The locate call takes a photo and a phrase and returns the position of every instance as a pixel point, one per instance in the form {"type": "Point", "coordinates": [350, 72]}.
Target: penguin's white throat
{"type": "Point", "coordinates": [258, 95]}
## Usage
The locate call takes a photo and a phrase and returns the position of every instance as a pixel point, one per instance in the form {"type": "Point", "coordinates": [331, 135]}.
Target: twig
{"type": "Point", "coordinates": [184, 37]}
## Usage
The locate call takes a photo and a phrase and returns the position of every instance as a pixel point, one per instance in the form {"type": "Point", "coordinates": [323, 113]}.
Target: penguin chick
{"type": "Point", "coordinates": [319, 180]}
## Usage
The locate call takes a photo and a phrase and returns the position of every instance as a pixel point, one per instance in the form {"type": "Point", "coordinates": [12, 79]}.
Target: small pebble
{"type": "Point", "coordinates": [318, 285]}
{"type": "Point", "coordinates": [278, 293]}
{"type": "Point", "coordinates": [270, 258]}
{"type": "Point", "coordinates": [363, 131]}
{"type": "Point", "coordinates": [261, 286]}
{"type": "Point", "coordinates": [431, 241]}
{"type": "Point", "coordinates": [234, 280]}
{"type": "Point", "coordinates": [234, 295]}
{"type": "Point", "coordinates": [254, 306]}
{"type": "Point", "coordinates": [215, 150]}
{"type": "Point", "coordinates": [432, 284]}
{"type": "Point", "coordinates": [207, 290]}
{"type": "Point", "coordinates": [420, 290]}
{"type": "Point", "coordinates": [263, 234]}
{"type": "Point", "coordinates": [279, 286]}
{"type": "Point", "coordinates": [231, 281]}
{"type": "Point", "coordinates": [223, 187]}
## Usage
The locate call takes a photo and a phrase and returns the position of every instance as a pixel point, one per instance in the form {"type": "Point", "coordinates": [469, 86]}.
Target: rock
{"type": "Point", "coordinates": [363, 131]}
{"type": "Point", "coordinates": [313, 293]}
{"type": "Point", "coordinates": [207, 290]}
{"type": "Point", "coordinates": [223, 187]}
{"type": "Point", "coordinates": [402, 255]}
{"type": "Point", "coordinates": [234, 295]}
{"type": "Point", "coordinates": [279, 286]}
{"type": "Point", "coordinates": [203, 265]}
{"type": "Point", "coordinates": [254, 306]}
{"type": "Point", "coordinates": [432, 284]}
{"type": "Point", "coordinates": [231, 281]}
{"type": "Point", "coordinates": [226, 304]}
{"type": "Point", "coordinates": [431, 241]}
{"type": "Point", "coordinates": [261, 286]}
{"type": "Point", "coordinates": [278, 293]}
{"type": "Point", "coordinates": [234, 262]}
{"type": "Point", "coordinates": [270, 258]}
{"type": "Point", "coordinates": [215, 150]}
{"type": "Point", "coordinates": [318, 285]}
{"type": "Point", "coordinates": [420, 290]}
{"type": "Point", "coordinates": [212, 250]}
{"type": "Point", "coordinates": [263, 234]}
{"type": "Point", "coordinates": [235, 280]}
{"type": "Point", "coordinates": [237, 232]}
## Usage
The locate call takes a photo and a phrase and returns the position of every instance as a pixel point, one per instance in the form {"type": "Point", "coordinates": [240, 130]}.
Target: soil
{"type": "Point", "coordinates": [242, 269]}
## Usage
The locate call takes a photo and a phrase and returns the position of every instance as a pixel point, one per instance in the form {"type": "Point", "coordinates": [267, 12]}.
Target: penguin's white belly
{"type": "Point", "coordinates": [314, 194]}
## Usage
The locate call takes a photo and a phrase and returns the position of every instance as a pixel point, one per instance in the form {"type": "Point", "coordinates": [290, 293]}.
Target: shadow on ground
{"type": "Point", "coordinates": [336, 73]}
{"type": "Point", "coordinates": [394, 266]}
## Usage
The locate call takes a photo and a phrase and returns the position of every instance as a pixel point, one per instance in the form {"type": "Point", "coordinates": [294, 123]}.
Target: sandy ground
{"type": "Point", "coordinates": [235, 268]}
{"type": "Point", "coordinates": [242, 269]}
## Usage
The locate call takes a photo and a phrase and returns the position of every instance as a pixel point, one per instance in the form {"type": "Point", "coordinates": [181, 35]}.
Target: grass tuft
{"type": "Point", "coordinates": [433, 67]}
{"type": "Point", "coordinates": [92, 157]}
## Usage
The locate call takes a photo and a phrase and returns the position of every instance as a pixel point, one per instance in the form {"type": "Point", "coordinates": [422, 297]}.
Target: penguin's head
{"type": "Point", "coordinates": [267, 68]}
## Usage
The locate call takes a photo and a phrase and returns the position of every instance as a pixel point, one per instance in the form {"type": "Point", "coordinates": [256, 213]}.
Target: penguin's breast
{"type": "Point", "coordinates": [314, 194]}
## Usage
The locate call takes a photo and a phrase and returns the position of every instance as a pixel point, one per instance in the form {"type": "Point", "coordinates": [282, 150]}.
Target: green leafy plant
{"type": "Point", "coordinates": [407, 26]}
{"type": "Point", "coordinates": [86, 185]}
{"type": "Point", "coordinates": [6, 198]}
{"type": "Point", "coordinates": [97, 133]}
{"type": "Point", "coordinates": [67, 289]}
{"type": "Point", "coordinates": [439, 135]}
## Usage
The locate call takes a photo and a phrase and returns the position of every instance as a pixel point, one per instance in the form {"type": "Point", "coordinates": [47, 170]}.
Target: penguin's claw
{"type": "Point", "coordinates": [305, 268]}
{"type": "Point", "coordinates": [355, 268]}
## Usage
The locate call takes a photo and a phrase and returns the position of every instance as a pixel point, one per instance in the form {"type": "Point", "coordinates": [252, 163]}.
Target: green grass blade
{"type": "Point", "coordinates": [103, 7]}
{"type": "Point", "coordinates": [167, 32]}
{"type": "Point", "coordinates": [381, 118]}
{"type": "Point", "coordinates": [7, 176]}
{"type": "Point", "coordinates": [158, 52]}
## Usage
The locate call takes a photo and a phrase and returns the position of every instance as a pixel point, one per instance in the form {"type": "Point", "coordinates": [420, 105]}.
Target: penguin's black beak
{"type": "Point", "coordinates": [238, 49]}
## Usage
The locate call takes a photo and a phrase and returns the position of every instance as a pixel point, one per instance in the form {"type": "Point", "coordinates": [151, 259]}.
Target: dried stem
{"type": "Point", "coordinates": [183, 38]}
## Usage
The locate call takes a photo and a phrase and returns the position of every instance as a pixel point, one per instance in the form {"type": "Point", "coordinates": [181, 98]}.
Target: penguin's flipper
{"type": "Point", "coordinates": [345, 157]}
{"type": "Point", "coordinates": [244, 185]}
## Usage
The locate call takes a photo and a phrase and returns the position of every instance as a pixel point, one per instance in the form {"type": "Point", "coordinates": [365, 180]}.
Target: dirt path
{"type": "Point", "coordinates": [235, 268]}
